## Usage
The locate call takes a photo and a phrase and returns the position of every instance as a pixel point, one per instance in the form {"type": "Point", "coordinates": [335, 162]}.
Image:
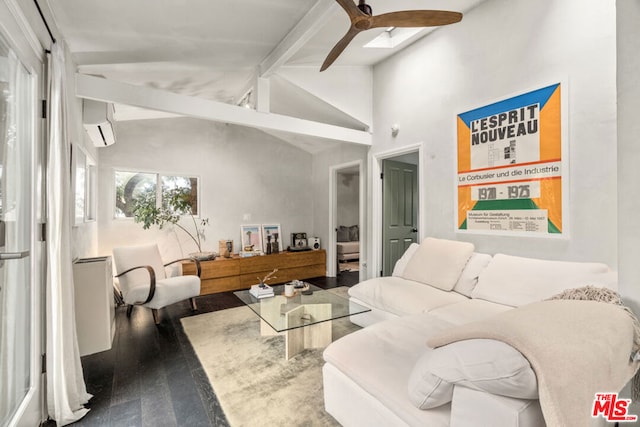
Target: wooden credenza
{"type": "Point", "coordinates": [230, 274]}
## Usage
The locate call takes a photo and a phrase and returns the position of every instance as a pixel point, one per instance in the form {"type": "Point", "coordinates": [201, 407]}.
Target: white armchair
{"type": "Point", "coordinates": [143, 280]}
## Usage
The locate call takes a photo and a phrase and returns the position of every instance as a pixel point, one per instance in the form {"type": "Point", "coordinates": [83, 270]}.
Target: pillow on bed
{"type": "Point", "coordinates": [480, 364]}
{"type": "Point", "coordinates": [354, 233]}
{"type": "Point", "coordinates": [438, 262]}
{"type": "Point", "coordinates": [343, 234]}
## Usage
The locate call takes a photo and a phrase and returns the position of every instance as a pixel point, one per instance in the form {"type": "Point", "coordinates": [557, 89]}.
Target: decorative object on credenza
{"type": "Point", "coordinates": [271, 236]}
{"type": "Point", "coordinates": [177, 202]}
{"type": "Point", "coordinates": [225, 247]}
{"type": "Point", "coordinates": [268, 245]}
{"type": "Point", "coordinates": [299, 241]}
{"type": "Point", "coordinates": [251, 238]}
{"type": "Point", "coordinates": [314, 243]}
{"type": "Point", "coordinates": [204, 256]}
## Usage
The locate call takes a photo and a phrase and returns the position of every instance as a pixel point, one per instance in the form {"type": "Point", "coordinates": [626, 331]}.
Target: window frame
{"type": "Point", "coordinates": [83, 172]}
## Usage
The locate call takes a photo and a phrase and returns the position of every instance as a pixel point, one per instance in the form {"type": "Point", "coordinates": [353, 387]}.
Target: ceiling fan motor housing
{"type": "Point", "coordinates": [365, 8]}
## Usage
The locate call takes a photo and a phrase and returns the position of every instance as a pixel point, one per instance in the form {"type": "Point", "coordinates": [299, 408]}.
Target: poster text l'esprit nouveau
{"type": "Point", "coordinates": [509, 124]}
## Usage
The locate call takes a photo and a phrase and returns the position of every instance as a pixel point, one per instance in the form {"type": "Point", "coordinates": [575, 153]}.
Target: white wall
{"type": "Point", "coordinates": [242, 172]}
{"type": "Point", "coordinates": [84, 236]}
{"type": "Point", "coordinates": [503, 48]}
{"type": "Point", "coordinates": [347, 88]}
{"type": "Point", "coordinates": [628, 152]}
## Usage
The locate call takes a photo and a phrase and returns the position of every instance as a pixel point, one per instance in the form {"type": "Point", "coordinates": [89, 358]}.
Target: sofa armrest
{"type": "Point", "coordinates": [469, 406]}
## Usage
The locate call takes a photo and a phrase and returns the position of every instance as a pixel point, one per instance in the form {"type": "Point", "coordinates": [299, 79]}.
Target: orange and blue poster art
{"type": "Point", "coordinates": [510, 165]}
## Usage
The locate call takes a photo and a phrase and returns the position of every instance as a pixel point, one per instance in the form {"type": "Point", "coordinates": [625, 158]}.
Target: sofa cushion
{"type": "Point", "coordinates": [438, 262]}
{"type": "Point", "coordinates": [401, 296]}
{"type": "Point", "coordinates": [480, 364]}
{"type": "Point", "coordinates": [401, 264]}
{"type": "Point", "coordinates": [469, 277]}
{"type": "Point", "coordinates": [380, 357]}
{"type": "Point", "coordinates": [468, 311]}
{"type": "Point", "coordinates": [517, 281]}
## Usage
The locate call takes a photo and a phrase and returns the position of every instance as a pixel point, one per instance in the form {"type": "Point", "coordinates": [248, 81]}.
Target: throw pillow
{"type": "Point", "coordinates": [438, 262]}
{"type": "Point", "coordinates": [469, 276]}
{"type": "Point", "coordinates": [401, 264]}
{"type": "Point", "coordinates": [480, 364]}
{"type": "Point", "coordinates": [354, 233]}
{"type": "Point", "coordinates": [343, 234]}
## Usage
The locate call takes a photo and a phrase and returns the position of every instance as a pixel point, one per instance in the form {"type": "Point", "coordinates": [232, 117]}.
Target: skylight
{"type": "Point", "coordinates": [392, 37]}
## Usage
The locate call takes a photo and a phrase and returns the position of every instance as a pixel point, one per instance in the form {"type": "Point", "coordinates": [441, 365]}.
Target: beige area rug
{"type": "Point", "coordinates": [255, 385]}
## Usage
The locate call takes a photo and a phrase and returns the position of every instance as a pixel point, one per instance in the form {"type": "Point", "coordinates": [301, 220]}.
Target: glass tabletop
{"type": "Point", "coordinates": [314, 306]}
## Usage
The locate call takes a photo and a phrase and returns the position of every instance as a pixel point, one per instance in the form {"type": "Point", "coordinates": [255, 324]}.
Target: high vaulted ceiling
{"type": "Point", "coordinates": [215, 49]}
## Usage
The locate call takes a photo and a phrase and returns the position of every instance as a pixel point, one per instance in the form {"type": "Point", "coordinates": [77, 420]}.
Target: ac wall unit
{"type": "Point", "coordinates": [98, 122]}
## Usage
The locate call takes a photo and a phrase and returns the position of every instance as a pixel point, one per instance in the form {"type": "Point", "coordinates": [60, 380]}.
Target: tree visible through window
{"type": "Point", "coordinates": [134, 188]}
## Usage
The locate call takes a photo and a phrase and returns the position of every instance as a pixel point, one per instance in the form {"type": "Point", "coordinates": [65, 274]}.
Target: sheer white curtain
{"type": "Point", "coordinates": [66, 391]}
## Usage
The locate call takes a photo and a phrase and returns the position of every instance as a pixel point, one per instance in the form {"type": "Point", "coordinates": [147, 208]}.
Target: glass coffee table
{"type": "Point", "coordinates": [304, 319]}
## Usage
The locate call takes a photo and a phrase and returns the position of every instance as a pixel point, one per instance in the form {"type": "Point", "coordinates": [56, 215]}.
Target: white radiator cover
{"type": "Point", "coordinates": [94, 303]}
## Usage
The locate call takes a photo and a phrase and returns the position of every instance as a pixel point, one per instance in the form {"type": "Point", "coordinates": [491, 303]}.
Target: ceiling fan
{"type": "Point", "coordinates": [362, 19]}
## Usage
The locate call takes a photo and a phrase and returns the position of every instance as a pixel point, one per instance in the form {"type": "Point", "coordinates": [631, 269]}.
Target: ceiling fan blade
{"type": "Point", "coordinates": [415, 18]}
{"type": "Point", "coordinates": [350, 7]}
{"type": "Point", "coordinates": [339, 47]}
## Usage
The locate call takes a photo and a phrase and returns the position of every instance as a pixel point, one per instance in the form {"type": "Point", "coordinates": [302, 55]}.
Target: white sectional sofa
{"type": "Point", "coordinates": [386, 375]}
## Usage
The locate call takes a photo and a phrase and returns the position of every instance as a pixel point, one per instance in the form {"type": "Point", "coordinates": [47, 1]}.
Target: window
{"type": "Point", "coordinates": [190, 185]}
{"type": "Point", "coordinates": [134, 187]}
{"type": "Point", "coordinates": [84, 185]}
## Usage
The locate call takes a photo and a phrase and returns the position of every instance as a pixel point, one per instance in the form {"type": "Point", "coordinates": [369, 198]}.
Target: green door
{"type": "Point", "coordinates": [400, 211]}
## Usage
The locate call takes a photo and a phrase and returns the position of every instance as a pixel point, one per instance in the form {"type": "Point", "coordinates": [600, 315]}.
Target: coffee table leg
{"type": "Point", "coordinates": [313, 336]}
{"type": "Point", "coordinates": [320, 335]}
{"type": "Point", "coordinates": [294, 338]}
{"type": "Point", "coordinates": [266, 330]}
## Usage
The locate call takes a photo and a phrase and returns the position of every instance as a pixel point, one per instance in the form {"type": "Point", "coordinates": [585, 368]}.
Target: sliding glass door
{"type": "Point", "coordinates": [20, 261]}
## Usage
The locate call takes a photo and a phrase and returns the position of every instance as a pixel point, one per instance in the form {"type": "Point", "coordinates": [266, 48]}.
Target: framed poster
{"type": "Point", "coordinates": [511, 164]}
{"type": "Point", "coordinates": [251, 238]}
{"type": "Point", "coordinates": [272, 238]}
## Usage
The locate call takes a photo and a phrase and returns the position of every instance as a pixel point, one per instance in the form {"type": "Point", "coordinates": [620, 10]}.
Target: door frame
{"type": "Point", "coordinates": [333, 217]}
{"type": "Point", "coordinates": [375, 166]}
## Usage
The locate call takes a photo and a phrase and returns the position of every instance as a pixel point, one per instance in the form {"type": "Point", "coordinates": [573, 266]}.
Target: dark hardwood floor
{"type": "Point", "coordinates": [152, 377]}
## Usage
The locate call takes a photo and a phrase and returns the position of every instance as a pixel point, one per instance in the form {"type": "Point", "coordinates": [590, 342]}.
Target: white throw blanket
{"type": "Point", "coordinates": [576, 348]}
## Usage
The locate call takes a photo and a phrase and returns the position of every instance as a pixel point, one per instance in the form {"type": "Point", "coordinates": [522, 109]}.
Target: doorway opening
{"type": "Point", "coordinates": [396, 205]}
{"type": "Point", "coordinates": [346, 244]}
